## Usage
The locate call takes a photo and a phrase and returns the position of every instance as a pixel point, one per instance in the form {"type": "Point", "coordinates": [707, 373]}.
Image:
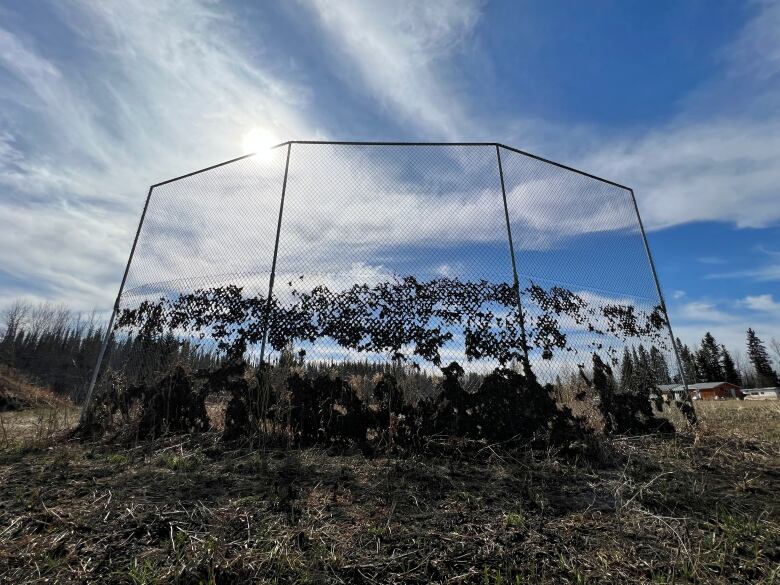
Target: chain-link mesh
{"type": "Point", "coordinates": [388, 238]}
{"type": "Point", "coordinates": [385, 256]}
{"type": "Point", "coordinates": [585, 278]}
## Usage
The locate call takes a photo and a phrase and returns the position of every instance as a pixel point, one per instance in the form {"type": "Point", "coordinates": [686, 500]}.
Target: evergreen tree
{"type": "Point", "coordinates": [645, 380]}
{"type": "Point", "coordinates": [659, 367]}
{"type": "Point", "coordinates": [765, 374]}
{"type": "Point", "coordinates": [688, 363]}
{"type": "Point", "coordinates": [730, 373]}
{"type": "Point", "coordinates": [626, 372]}
{"type": "Point", "coordinates": [708, 360]}
{"type": "Point", "coordinates": [59, 349]}
{"type": "Point", "coordinates": [636, 377]}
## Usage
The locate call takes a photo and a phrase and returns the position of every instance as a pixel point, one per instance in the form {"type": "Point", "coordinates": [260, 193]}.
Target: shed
{"type": "Point", "coordinates": [715, 391]}
{"type": "Point", "coordinates": [673, 391]}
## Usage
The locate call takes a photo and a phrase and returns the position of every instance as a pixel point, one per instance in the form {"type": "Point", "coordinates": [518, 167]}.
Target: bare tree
{"type": "Point", "coordinates": [744, 369]}
{"type": "Point", "coordinates": [774, 344]}
{"type": "Point", "coordinates": [62, 319]}
{"type": "Point", "coordinates": [41, 317]}
{"type": "Point", "coordinates": [49, 318]}
{"type": "Point", "coordinates": [15, 317]}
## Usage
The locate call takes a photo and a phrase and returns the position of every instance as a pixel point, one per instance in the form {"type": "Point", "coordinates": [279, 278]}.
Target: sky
{"type": "Point", "coordinates": [679, 100]}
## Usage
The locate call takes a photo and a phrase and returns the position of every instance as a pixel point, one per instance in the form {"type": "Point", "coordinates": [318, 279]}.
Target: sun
{"type": "Point", "coordinates": [258, 141]}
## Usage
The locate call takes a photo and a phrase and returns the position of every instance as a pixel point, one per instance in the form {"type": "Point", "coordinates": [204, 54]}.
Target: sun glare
{"type": "Point", "coordinates": [258, 141]}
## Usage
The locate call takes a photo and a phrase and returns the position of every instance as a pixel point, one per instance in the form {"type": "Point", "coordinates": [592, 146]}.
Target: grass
{"type": "Point", "coordinates": [192, 509]}
{"type": "Point", "coordinates": [745, 419]}
{"type": "Point", "coordinates": [44, 414]}
{"type": "Point", "coordinates": [35, 426]}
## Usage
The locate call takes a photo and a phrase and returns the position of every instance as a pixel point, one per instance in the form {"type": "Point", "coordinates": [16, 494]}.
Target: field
{"type": "Point", "coordinates": [193, 509]}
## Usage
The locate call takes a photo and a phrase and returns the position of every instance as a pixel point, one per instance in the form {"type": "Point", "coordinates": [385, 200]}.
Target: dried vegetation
{"type": "Point", "coordinates": [195, 508]}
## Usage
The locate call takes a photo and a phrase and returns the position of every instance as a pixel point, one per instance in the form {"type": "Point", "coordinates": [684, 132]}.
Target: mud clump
{"type": "Point", "coordinates": [175, 403]}
{"type": "Point", "coordinates": [624, 413]}
{"type": "Point", "coordinates": [287, 405]}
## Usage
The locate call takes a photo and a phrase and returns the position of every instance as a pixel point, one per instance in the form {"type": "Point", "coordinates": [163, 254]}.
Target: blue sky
{"type": "Point", "coordinates": [680, 100]}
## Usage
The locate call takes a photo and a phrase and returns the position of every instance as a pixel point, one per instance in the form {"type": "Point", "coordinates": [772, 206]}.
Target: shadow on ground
{"type": "Point", "coordinates": [197, 510]}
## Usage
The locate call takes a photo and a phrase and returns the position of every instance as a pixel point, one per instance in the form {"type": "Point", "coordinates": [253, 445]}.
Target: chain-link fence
{"type": "Point", "coordinates": [358, 259]}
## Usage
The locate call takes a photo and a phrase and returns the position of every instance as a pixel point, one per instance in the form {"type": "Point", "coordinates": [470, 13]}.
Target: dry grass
{"type": "Point", "coordinates": [43, 414]}
{"type": "Point", "coordinates": [19, 386]}
{"type": "Point", "coordinates": [37, 426]}
{"type": "Point", "coordinates": [195, 510]}
{"type": "Point", "coordinates": [745, 419]}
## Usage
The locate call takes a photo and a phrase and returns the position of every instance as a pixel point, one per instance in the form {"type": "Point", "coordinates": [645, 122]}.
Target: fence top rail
{"type": "Point", "coordinates": [380, 143]}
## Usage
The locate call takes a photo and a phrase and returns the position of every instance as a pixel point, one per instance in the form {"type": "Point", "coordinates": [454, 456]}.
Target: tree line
{"type": "Point", "coordinates": [641, 370]}
{"type": "Point", "coordinates": [58, 347]}
{"type": "Point", "coordinates": [712, 362]}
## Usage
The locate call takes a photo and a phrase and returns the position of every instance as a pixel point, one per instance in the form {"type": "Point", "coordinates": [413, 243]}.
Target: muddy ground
{"type": "Point", "coordinates": [195, 509]}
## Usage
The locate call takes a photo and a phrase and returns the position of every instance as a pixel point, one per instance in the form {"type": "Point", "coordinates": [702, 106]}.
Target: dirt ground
{"type": "Point", "coordinates": [194, 509]}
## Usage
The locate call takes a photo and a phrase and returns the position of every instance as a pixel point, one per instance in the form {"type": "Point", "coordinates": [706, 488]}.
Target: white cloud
{"type": "Point", "coordinates": [732, 335]}
{"type": "Point", "coordinates": [158, 91]}
{"type": "Point", "coordinates": [165, 90]}
{"type": "Point", "coordinates": [185, 236]}
{"type": "Point", "coordinates": [56, 246]}
{"type": "Point", "coordinates": [691, 320]}
{"type": "Point", "coordinates": [721, 170]}
{"type": "Point", "coordinates": [761, 303]}
{"type": "Point", "coordinates": [159, 80]}
{"type": "Point", "coordinates": [722, 167]}
{"type": "Point", "coordinates": [756, 53]}
{"type": "Point", "coordinates": [703, 312]}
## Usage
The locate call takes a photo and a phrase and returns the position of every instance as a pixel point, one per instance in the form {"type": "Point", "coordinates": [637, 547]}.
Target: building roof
{"type": "Point", "coordinates": [698, 386]}
{"type": "Point", "coordinates": [708, 385]}
{"type": "Point", "coordinates": [670, 387]}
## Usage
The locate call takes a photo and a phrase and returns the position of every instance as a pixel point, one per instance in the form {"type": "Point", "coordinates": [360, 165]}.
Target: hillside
{"type": "Point", "coordinates": [18, 392]}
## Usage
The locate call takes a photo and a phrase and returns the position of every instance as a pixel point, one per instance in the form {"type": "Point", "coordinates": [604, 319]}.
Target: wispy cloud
{"type": "Point", "coordinates": [703, 312]}
{"type": "Point", "coordinates": [723, 167]}
{"type": "Point", "coordinates": [401, 53]}
{"type": "Point", "coordinates": [766, 273]}
{"type": "Point", "coordinates": [768, 270]}
{"type": "Point", "coordinates": [157, 91]}
{"type": "Point", "coordinates": [691, 320]}
{"type": "Point", "coordinates": [711, 260]}
{"type": "Point", "coordinates": [727, 320]}
{"type": "Point", "coordinates": [726, 170]}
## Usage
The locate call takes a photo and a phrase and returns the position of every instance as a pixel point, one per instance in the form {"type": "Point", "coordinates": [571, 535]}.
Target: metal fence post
{"type": "Point", "coordinates": [273, 262]}
{"type": "Point", "coordinates": [109, 328]}
{"type": "Point", "coordinates": [526, 361]}
{"type": "Point", "coordinates": [660, 295]}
